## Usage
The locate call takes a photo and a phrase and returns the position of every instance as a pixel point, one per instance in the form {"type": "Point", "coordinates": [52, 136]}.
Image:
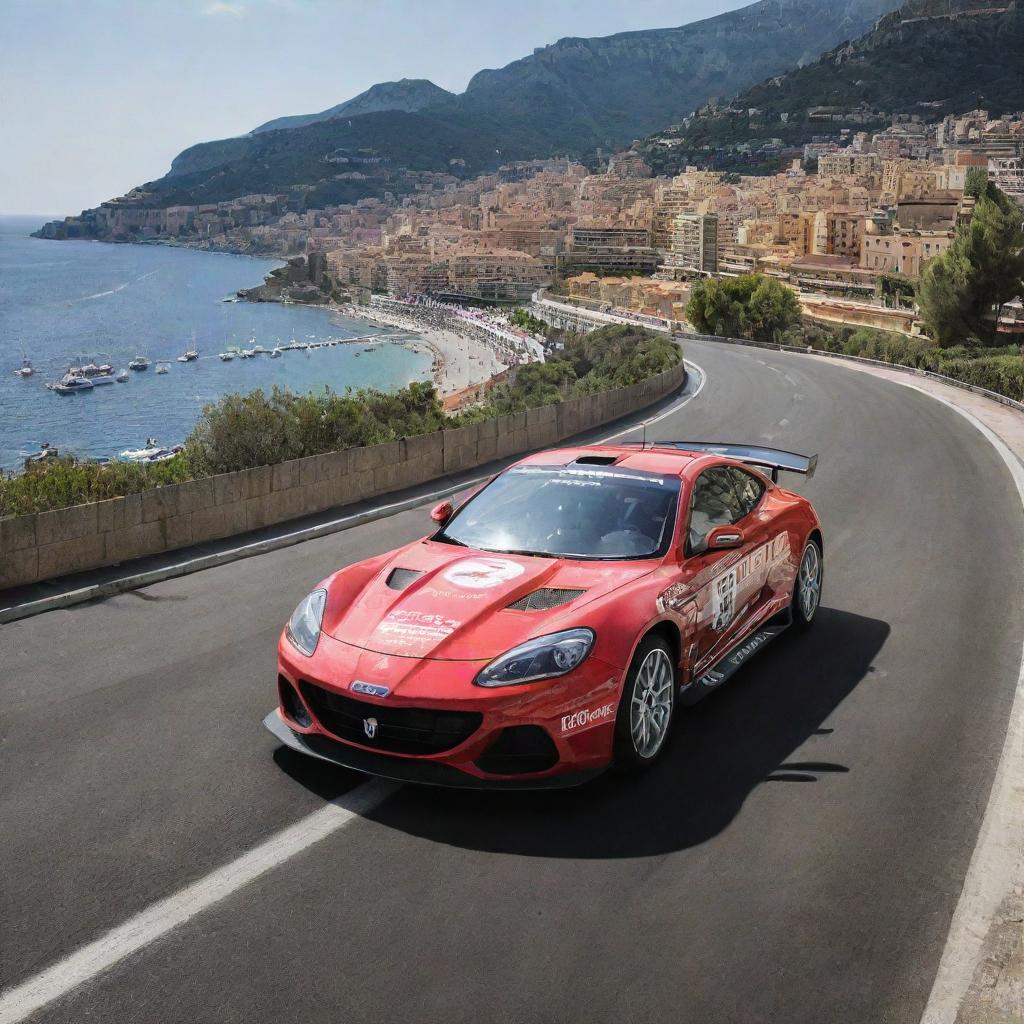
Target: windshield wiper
{"type": "Point", "coordinates": [451, 540]}
{"type": "Point", "coordinates": [524, 553]}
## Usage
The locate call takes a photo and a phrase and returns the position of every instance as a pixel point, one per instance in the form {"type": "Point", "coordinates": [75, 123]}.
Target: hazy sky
{"type": "Point", "coordinates": [99, 95]}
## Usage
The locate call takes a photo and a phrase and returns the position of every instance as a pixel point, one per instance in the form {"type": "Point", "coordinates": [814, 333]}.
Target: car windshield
{"type": "Point", "coordinates": [569, 512]}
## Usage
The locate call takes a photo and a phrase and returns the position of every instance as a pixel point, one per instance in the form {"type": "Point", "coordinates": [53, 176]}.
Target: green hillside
{"type": "Point", "coordinates": [932, 58]}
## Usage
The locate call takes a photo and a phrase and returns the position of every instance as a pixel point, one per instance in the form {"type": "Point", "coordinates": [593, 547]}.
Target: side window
{"type": "Point", "coordinates": [714, 503]}
{"type": "Point", "coordinates": [748, 489]}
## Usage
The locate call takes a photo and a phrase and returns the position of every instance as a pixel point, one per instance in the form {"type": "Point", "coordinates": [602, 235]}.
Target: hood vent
{"type": "Point", "coordinates": [596, 460]}
{"type": "Point", "coordinates": [401, 578]}
{"type": "Point", "coordinates": [545, 599]}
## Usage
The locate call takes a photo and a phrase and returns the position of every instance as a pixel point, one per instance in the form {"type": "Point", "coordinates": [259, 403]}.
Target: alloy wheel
{"type": "Point", "coordinates": [651, 703]}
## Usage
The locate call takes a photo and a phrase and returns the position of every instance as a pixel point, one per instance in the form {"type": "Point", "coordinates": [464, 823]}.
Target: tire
{"type": "Point", "coordinates": [651, 680]}
{"type": "Point", "coordinates": [807, 586]}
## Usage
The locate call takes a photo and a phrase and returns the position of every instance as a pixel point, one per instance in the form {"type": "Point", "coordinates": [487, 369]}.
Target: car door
{"type": "Point", "coordinates": [753, 570]}
{"type": "Point", "coordinates": [721, 590]}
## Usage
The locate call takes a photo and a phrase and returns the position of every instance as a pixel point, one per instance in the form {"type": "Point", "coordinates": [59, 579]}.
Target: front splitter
{"type": "Point", "coordinates": [399, 769]}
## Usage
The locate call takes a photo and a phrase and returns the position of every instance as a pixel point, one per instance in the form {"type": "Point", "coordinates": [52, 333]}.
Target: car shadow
{"type": "Point", "coordinates": [720, 750]}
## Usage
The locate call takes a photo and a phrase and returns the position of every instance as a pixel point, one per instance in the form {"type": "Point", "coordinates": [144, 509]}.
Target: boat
{"type": "Point", "coordinates": [91, 370]}
{"type": "Point", "coordinates": [246, 353]}
{"type": "Point", "coordinates": [152, 448]}
{"type": "Point", "coordinates": [122, 377]}
{"type": "Point", "coordinates": [276, 352]}
{"type": "Point", "coordinates": [25, 370]}
{"type": "Point", "coordinates": [189, 357]}
{"type": "Point", "coordinates": [102, 378]}
{"type": "Point", "coordinates": [164, 454]}
{"type": "Point", "coordinates": [226, 357]}
{"type": "Point", "coordinates": [46, 451]}
{"type": "Point", "coordinates": [139, 363]}
{"type": "Point", "coordinates": [258, 350]}
{"type": "Point", "coordinates": [162, 368]}
{"type": "Point", "coordinates": [69, 385]}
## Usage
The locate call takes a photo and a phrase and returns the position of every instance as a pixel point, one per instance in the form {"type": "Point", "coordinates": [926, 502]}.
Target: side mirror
{"type": "Point", "coordinates": [721, 538]}
{"type": "Point", "coordinates": [442, 513]}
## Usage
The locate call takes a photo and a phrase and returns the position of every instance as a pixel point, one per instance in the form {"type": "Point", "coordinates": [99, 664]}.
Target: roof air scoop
{"type": "Point", "coordinates": [596, 460]}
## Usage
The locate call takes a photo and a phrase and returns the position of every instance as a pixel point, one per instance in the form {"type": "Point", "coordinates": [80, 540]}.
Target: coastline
{"type": "Point", "coordinates": [460, 361]}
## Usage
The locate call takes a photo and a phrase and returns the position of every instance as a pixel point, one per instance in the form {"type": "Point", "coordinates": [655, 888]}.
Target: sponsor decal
{"type": "Point", "coordinates": [453, 595]}
{"type": "Point", "coordinates": [580, 720]}
{"type": "Point", "coordinates": [723, 589]}
{"type": "Point", "coordinates": [730, 664]}
{"type": "Point", "coordinates": [748, 574]}
{"type": "Point", "coordinates": [358, 686]}
{"type": "Point", "coordinates": [723, 600]}
{"type": "Point", "coordinates": [409, 627]}
{"type": "Point", "coordinates": [482, 573]}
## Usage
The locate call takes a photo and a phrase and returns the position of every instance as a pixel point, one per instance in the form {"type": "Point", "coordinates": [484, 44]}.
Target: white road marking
{"type": "Point", "coordinates": [156, 921]}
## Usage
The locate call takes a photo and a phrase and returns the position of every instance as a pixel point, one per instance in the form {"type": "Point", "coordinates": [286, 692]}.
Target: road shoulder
{"type": "Point", "coordinates": [980, 979]}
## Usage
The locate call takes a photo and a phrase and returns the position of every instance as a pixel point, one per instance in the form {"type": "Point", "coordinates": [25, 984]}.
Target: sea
{"type": "Point", "coordinates": [65, 303]}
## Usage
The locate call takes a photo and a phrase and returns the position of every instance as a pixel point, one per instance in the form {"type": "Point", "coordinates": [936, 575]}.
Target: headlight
{"type": "Point", "coordinates": [303, 628]}
{"type": "Point", "coordinates": [543, 658]}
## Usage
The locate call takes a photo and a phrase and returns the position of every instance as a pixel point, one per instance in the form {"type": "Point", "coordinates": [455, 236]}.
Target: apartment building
{"type": "Point", "coordinates": [695, 243]}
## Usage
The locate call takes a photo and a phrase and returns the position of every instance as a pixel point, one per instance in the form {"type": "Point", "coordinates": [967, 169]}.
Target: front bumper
{"type": "Point", "coordinates": [433, 725]}
{"type": "Point", "coordinates": [406, 769]}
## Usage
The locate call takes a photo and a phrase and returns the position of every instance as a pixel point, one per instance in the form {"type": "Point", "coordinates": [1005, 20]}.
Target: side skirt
{"type": "Point", "coordinates": [724, 669]}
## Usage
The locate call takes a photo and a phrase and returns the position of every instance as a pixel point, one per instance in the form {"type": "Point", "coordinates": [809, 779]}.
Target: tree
{"type": "Point", "coordinates": [963, 289]}
{"type": "Point", "coordinates": [751, 306]}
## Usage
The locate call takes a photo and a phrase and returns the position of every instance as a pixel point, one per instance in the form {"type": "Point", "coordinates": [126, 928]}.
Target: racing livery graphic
{"type": "Point", "coordinates": [555, 621]}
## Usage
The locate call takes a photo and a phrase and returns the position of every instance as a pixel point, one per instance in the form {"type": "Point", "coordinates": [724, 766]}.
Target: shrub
{"type": "Point", "coordinates": [60, 483]}
{"type": "Point", "coordinates": [996, 369]}
{"type": "Point", "coordinates": [751, 306]}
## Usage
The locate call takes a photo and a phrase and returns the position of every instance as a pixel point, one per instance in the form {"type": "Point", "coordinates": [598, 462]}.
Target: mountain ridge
{"type": "Point", "coordinates": [575, 96]}
{"type": "Point", "coordinates": [929, 57]}
{"type": "Point", "coordinates": [408, 94]}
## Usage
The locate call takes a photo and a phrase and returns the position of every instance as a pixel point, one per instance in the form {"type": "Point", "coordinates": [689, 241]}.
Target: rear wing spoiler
{"type": "Point", "coordinates": [769, 458]}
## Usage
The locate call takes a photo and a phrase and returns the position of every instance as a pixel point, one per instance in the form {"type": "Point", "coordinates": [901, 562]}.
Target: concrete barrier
{"type": "Point", "coordinates": [50, 544]}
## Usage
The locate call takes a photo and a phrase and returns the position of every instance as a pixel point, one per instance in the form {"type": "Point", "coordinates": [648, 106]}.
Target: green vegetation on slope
{"type": "Point", "coordinates": [931, 67]}
{"type": "Point", "coordinates": [998, 369]}
{"type": "Point", "coordinates": [751, 306]}
{"type": "Point", "coordinates": [961, 290]}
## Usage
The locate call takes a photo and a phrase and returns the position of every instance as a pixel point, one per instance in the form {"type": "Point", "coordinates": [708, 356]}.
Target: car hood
{"type": "Point", "coordinates": [452, 603]}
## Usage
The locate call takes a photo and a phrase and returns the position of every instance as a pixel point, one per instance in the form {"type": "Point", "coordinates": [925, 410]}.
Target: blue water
{"type": "Point", "coordinates": [62, 303]}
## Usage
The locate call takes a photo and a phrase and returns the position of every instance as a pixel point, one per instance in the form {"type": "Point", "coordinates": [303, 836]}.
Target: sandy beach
{"type": "Point", "coordinates": [464, 353]}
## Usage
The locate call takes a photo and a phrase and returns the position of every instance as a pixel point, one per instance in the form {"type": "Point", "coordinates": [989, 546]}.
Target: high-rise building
{"type": "Point", "coordinates": [695, 243]}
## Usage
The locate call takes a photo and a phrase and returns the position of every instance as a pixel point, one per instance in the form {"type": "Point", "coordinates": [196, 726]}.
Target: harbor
{"type": "Point", "coordinates": [110, 309]}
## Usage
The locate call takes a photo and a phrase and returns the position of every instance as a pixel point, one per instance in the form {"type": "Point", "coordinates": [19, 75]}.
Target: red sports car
{"type": "Point", "coordinates": [556, 620]}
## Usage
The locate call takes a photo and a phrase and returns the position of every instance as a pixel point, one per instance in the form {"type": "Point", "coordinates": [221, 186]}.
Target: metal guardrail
{"type": "Point", "coordinates": [803, 350]}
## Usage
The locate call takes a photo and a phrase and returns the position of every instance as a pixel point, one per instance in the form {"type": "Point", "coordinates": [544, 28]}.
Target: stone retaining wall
{"type": "Point", "coordinates": [49, 544]}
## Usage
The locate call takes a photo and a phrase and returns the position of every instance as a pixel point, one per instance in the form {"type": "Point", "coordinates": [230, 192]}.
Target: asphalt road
{"type": "Point", "coordinates": [796, 857]}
